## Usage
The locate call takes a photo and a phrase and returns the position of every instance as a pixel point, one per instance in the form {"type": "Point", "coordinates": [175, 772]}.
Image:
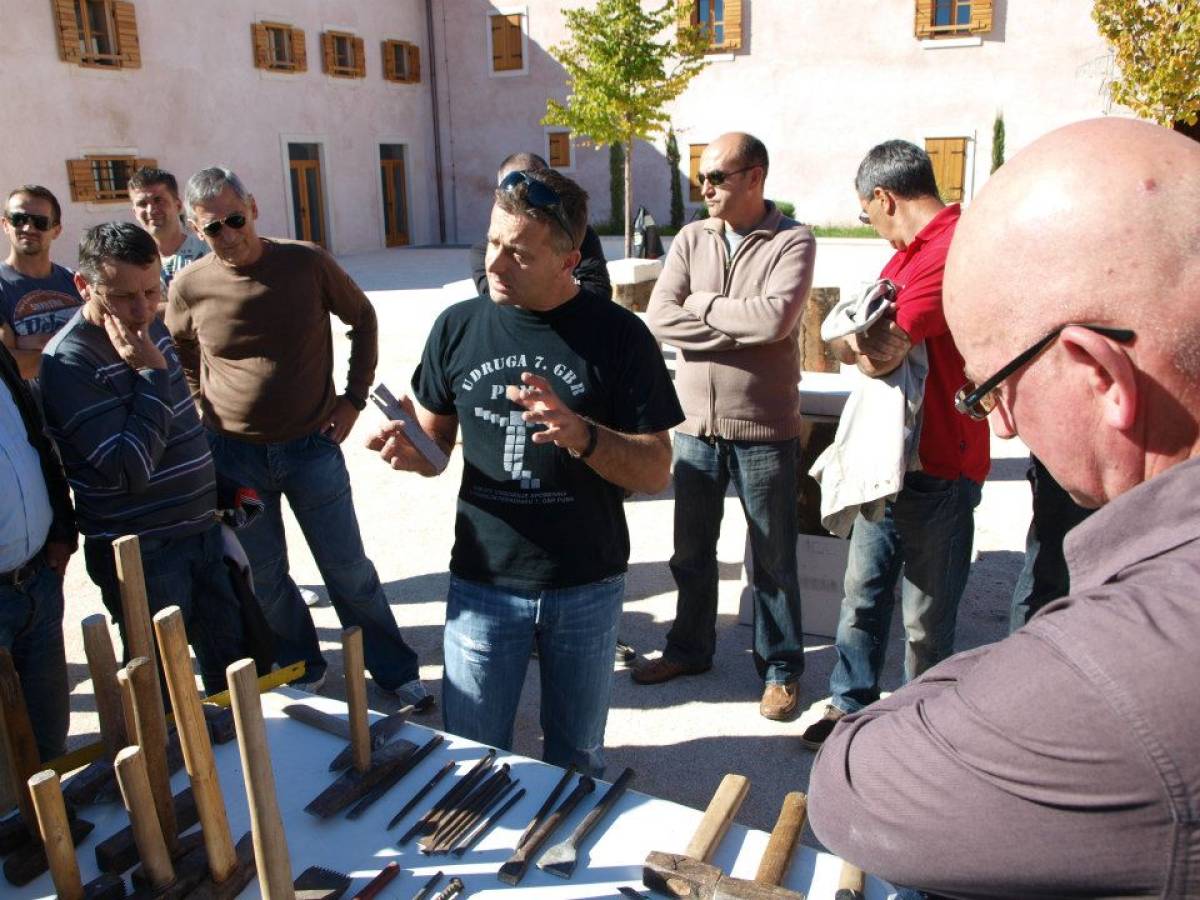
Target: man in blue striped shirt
{"type": "Point", "coordinates": [134, 451]}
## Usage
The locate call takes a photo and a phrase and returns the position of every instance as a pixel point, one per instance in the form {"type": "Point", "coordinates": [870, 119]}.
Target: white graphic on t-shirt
{"type": "Point", "coordinates": [516, 433]}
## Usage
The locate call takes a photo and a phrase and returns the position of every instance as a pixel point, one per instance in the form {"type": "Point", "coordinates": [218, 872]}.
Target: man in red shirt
{"type": "Point", "coordinates": [926, 532]}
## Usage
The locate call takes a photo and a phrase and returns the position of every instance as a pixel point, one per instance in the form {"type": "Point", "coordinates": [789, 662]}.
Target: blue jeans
{"type": "Point", "coordinates": [490, 632]}
{"type": "Point", "coordinates": [1044, 574]}
{"type": "Point", "coordinates": [188, 572]}
{"type": "Point", "coordinates": [311, 472]}
{"type": "Point", "coordinates": [927, 532]}
{"type": "Point", "coordinates": [764, 476]}
{"type": "Point", "coordinates": [31, 629]}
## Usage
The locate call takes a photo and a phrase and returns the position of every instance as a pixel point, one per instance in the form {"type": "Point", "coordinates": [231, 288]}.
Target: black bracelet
{"type": "Point", "coordinates": [357, 402]}
{"type": "Point", "coordinates": [593, 437]}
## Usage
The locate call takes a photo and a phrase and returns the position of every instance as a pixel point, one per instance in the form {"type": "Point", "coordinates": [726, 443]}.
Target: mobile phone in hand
{"type": "Point", "coordinates": [390, 407]}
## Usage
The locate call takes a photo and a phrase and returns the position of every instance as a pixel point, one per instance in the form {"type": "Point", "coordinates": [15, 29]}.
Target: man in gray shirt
{"type": "Point", "coordinates": [1064, 760]}
{"type": "Point", "coordinates": [154, 196]}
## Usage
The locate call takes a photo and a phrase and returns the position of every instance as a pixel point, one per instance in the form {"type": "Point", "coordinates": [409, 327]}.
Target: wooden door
{"type": "Point", "coordinates": [395, 195]}
{"type": "Point", "coordinates": [949, 158]}
{"type": "Point", "coordinates": [308, 204]}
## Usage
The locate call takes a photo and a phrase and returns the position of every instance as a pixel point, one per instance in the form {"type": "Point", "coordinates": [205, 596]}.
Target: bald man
{"type": "Point", "coordinates": [1064, 760]}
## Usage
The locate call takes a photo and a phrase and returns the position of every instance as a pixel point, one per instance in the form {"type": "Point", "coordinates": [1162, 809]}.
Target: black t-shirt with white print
{"type": "Point", "coordinates": [530, 516]}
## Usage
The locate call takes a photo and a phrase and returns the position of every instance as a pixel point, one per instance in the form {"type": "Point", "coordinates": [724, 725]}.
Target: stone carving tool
{"type": "Point", "coordinates": [478, 815]}
{"type": "Point", "coordinates": [545, 807]}
{"type": "Point", "coordinates": [560, 859]}
{"type": "Point", "coordinates": [381, 730]}
{"type": "Point", "coordinates": [515, 867]}
{"type": "Point", "coordinates": [392, 780]}
{"type": "Point", "coordinates": [488, 824]}
{"type": "Point", "coordinates": [453, 889]}
{"type": "Point", "coordinates": [629, 892]}
{"type": "Point", "coordinates": [379, 882]}
{"type": "Point", "coordinates": [433, 817]}
{"type": "Point", "coordinates": [422, 443]}
{"type": "Point", "coordinates": [778, 856]}
{"type": "Point", "coordinates": [469, 807]}
{"type": "Point", "coordinates": [851, 883]}
{"type": "Point", "coordinates": [416, 798]}
{"type": "Point", "coordinates": [158, 872]}
{"type": "Point", "coordinates": [149, 729]}
{"type": "Point", "coordinates": [428, 886]}
{"type": "Point", "coordinates": [96, 780]}
{"type": "Point", "coordinates": [55, 832]}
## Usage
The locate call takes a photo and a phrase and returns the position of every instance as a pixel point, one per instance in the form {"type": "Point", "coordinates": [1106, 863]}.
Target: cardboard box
{"type": "Point", "coordinates": [821, 566]}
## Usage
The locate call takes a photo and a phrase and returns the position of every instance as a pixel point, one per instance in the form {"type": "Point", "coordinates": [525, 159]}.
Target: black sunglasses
{"type": "Point", "coordinates": [717, 178]}
{"type": "Point", "coordinates": [540, 196]}
{"type": "Point", "coordinates": [978, 402]}
{"type": "Point", "coordinates": [233, 220]}
{"type": "Point", "coordinates": [18, 219]}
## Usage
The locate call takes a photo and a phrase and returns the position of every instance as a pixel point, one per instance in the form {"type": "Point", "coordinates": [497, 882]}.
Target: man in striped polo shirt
{"type": "Point", "coordinates": [134, 451]}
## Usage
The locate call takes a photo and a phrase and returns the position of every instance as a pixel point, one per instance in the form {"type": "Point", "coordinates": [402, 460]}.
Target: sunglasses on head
{"type": "Point", "coordinates": [233, 220]}
{"type": "Point", "coordinates": [19, 219]}
{"type": "Point", "coordinates": [717, 178]}
{"type": "Point", "coordinates": [540, 196]}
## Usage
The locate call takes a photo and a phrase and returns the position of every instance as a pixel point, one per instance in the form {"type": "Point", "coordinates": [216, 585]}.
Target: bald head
{"type": "Point", "coordinates": [1093, 223]}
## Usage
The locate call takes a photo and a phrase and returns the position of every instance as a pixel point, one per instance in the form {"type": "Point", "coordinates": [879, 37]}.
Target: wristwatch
{"type": "Point", "coordinates": [593, 436]}
{"type": "Point", "coordinates": [357, 402]}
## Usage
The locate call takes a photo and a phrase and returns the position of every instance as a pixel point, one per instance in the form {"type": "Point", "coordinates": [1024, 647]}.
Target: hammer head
{"type": "Point", "coordinates": [677, 875]}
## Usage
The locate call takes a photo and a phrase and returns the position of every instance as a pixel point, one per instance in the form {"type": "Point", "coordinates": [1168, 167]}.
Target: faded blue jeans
{"type": "Point", "coordinates": [490, 632]}
{"type": "Point", "coordinates": [311, 472]}
{"type": "Point", "coordinates": [31, 629]}
{"type": "Point", "coordinates": [926, 533]}
{"type": "Point", "coordinates": [764, 475]}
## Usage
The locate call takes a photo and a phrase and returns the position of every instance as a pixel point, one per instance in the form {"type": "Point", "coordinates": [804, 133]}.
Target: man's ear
{"type": "Point", "coordinates": [253, 209]}
{"type": "Point", "coordinates": [81, 285]}
{"type": "Point", "coordinates": [571, 261]}
{"type": "Point", "coordinates": [1112, 376]}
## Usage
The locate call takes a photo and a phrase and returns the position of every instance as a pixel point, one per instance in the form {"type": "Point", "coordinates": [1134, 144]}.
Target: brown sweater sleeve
{"type": "Point", "coordinates": [178, 319]}
{"type": "Point", "coordinates": [345, 299]}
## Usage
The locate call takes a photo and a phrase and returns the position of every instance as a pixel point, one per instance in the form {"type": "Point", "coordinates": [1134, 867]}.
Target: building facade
{"type": "Point", "coordinates": [327, 108]}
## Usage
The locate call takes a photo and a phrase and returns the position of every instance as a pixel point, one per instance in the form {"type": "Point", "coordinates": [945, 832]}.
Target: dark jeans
{"type": "Point", "coordinates": [1044, 575]}
{"type": "Point", "coordinates": [311, 472]}
{"type": "Point", "coordinates": [31, 629]}
{"type": "Point", "coordinates": [188, 572]}
{"type": "Point", "coordinates": [764, 476]}
{"type": "Point", "coordinates": [927, 533]}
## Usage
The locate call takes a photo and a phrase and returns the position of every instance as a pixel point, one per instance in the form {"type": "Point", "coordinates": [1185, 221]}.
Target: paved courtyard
{"type": "Point", "coordinates": [679, 737]}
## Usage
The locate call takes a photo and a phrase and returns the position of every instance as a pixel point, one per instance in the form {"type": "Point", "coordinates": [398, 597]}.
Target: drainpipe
{"type": "Point", "coordinates": [437, 130]}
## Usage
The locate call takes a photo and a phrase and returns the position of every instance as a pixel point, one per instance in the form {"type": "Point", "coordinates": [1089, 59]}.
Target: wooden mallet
{"type": "Point", "coordinates": [55, 831]}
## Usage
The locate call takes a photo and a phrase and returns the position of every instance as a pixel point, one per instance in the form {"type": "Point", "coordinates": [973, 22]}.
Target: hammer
{"type": "Point", "coordinates": [690, 875]}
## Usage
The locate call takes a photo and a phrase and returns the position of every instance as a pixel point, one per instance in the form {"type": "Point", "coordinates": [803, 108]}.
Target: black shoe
{"type": "Point", "coordinates": [625, 653]}
{"type": "Point", "coordinates": [816, 733]}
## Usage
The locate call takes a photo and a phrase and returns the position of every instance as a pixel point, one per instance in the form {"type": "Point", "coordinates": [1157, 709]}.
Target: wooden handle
{"type": "Point", "coordinates": [356, 696]}
{"type": "Point", "coordinates": [139, 682]}
{"type": "Point", "coordinates": [597, 812]}
{"type": "Point", "coordinates": [778, 856]}
{"type": "Point", "coordinates": [23, 757]}
{"type": "Point", "coordinates": [270, 841]}
{"type": "Point", "coordinates": [135, 607]}
{"type": "Point", "coordinates": [130, 766]}
{"type": "Point", "coordinates": [193, 740]}
{"type": "Point", "coordinates": [376, 885]}
{"type": "Point", "coordinates": [852, 878]}
{"type": "Point", "coordinates": [102, 664]}
{"type": "Point", "coordinates": [56, 834]}
{"type": "Point", "coordinates": [718, 817]}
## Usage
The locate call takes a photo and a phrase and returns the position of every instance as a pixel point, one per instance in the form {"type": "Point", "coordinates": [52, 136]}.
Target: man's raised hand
{"type": "Point", "coordinates": [542, 406]}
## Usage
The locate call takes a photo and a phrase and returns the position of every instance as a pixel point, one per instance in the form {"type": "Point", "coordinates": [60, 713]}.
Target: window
{"type": "Point", "coordinates": [952, 18]}
{"type": "Point", "coordinates": [558, 149]}
{"type": "Point", "coordinates": [508, 52]}
{"type": "Point", "coordinates": [103, 179]}
{"type": "Point", "coordinates": [97, 33]}
{"type": "Point", "coordinates": [949, 158]}
{"type": "Point", "coordinates": [694, 153]}
{"type": "Point", "coordinates": [401, 62]}
{"type": "Point", "coordinates": [342, 55]}
{"type": "Point", "coordinates": [722, 20]}
{"type": "Point", "coordinates": [279, 47]}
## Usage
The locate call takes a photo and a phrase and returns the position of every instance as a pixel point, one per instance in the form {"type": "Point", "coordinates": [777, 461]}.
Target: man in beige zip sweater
{"type": "Point", "coordinates": [730, 298]}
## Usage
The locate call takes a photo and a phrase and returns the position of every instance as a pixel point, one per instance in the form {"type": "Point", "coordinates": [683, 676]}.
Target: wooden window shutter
{"type": "Point", "coordinates": [981, 16]}
{"type": "Point", "coordinates": [560, 149]}
{"type": "Point", "coordinates": [68, 30]}
{"type": "Point", "coordinates": [695, 151]}
{"type": "Point", "coordinates": [389, 61]}
{"type": "Point", "coordinates": [140, 163]}
{"type": "Point", "coordinates": [262, 46]}
{"type": "Point", "coordinates": [923, 27]}
{"type": "Point", "coordinates": [414, 63]}
{"type": "Point", "coordinates": [514, 42]}
{"type": "Point", "coordinates": [360, 56]}
{"type": "Point", "coordinates": [79, 175]}
{"type": "Point", "coordinates": [127, 35]}
{"type": "Point", "coordinates": [499, 47]}
{"type": "Point", "coordinates": [328, 53]}
{"type": "Point", "coordinates": [733, 25]}
{"type": "Point", "coordinates": [299, 53]}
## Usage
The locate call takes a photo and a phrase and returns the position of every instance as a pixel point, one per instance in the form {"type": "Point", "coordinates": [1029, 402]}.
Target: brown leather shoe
{"type": "Point", "coordinates": [814, 735]}
{"type": "Point", "coordinates": [656, 671]}
{"type": "Point", "coordinates": [779, 700]}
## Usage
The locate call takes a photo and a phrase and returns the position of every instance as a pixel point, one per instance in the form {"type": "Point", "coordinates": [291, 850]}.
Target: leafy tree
{"type": "Point", "coordinates": [1157, 49]}
{"type": "Point", "coordinates": [676, 187]}
{"type": "Point", "coordinates": [616, 185]}
{"type": "Point", "coordinates": [624, 65]}
{"type": "Point", "coordinates": [998, 142]}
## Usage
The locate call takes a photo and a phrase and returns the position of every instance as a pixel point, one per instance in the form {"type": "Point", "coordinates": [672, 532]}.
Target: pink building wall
{"type": "Point", "coordinates": [197, 100]}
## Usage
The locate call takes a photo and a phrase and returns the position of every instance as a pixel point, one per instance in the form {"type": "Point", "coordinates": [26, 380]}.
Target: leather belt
{"type": "Point", "coordinates": [23, 574]}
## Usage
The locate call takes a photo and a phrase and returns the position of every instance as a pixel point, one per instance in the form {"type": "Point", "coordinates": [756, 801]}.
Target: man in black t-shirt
{"type": "Point", "coordinates": [564, 403]}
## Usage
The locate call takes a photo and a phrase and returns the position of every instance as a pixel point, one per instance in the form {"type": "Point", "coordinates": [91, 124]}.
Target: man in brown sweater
{"type": "Point", "coordinates": [251, 321]}
{"type": "Point", "coordinates": [730, 298]}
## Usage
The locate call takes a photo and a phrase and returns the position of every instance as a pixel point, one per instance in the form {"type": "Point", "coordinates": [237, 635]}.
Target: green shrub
{"type": "Point", "coordinates": [788, 209]}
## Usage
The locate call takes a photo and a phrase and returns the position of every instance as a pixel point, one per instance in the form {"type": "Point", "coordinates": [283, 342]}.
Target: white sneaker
{"type": "Point", "coordinates": [414, 694]}
{"type": "Point", "coordinates": [310, 598]}
{"type": "Point", "coordinates": [310, 687]}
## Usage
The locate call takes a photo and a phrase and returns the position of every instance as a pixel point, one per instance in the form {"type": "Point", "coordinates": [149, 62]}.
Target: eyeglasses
{"type": "Point", "coordinates": [19, 219]}
{"type": "Point", "coordinates": [717, 178]}
{"type": "Point", "coordinates": [978, 402]}
{"type": "Point", "coordinates": [233, 220]}
{"type": "Point", "coordinates": [864, 218]}
{"type": "Point", "coordinates": [540, 196]}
